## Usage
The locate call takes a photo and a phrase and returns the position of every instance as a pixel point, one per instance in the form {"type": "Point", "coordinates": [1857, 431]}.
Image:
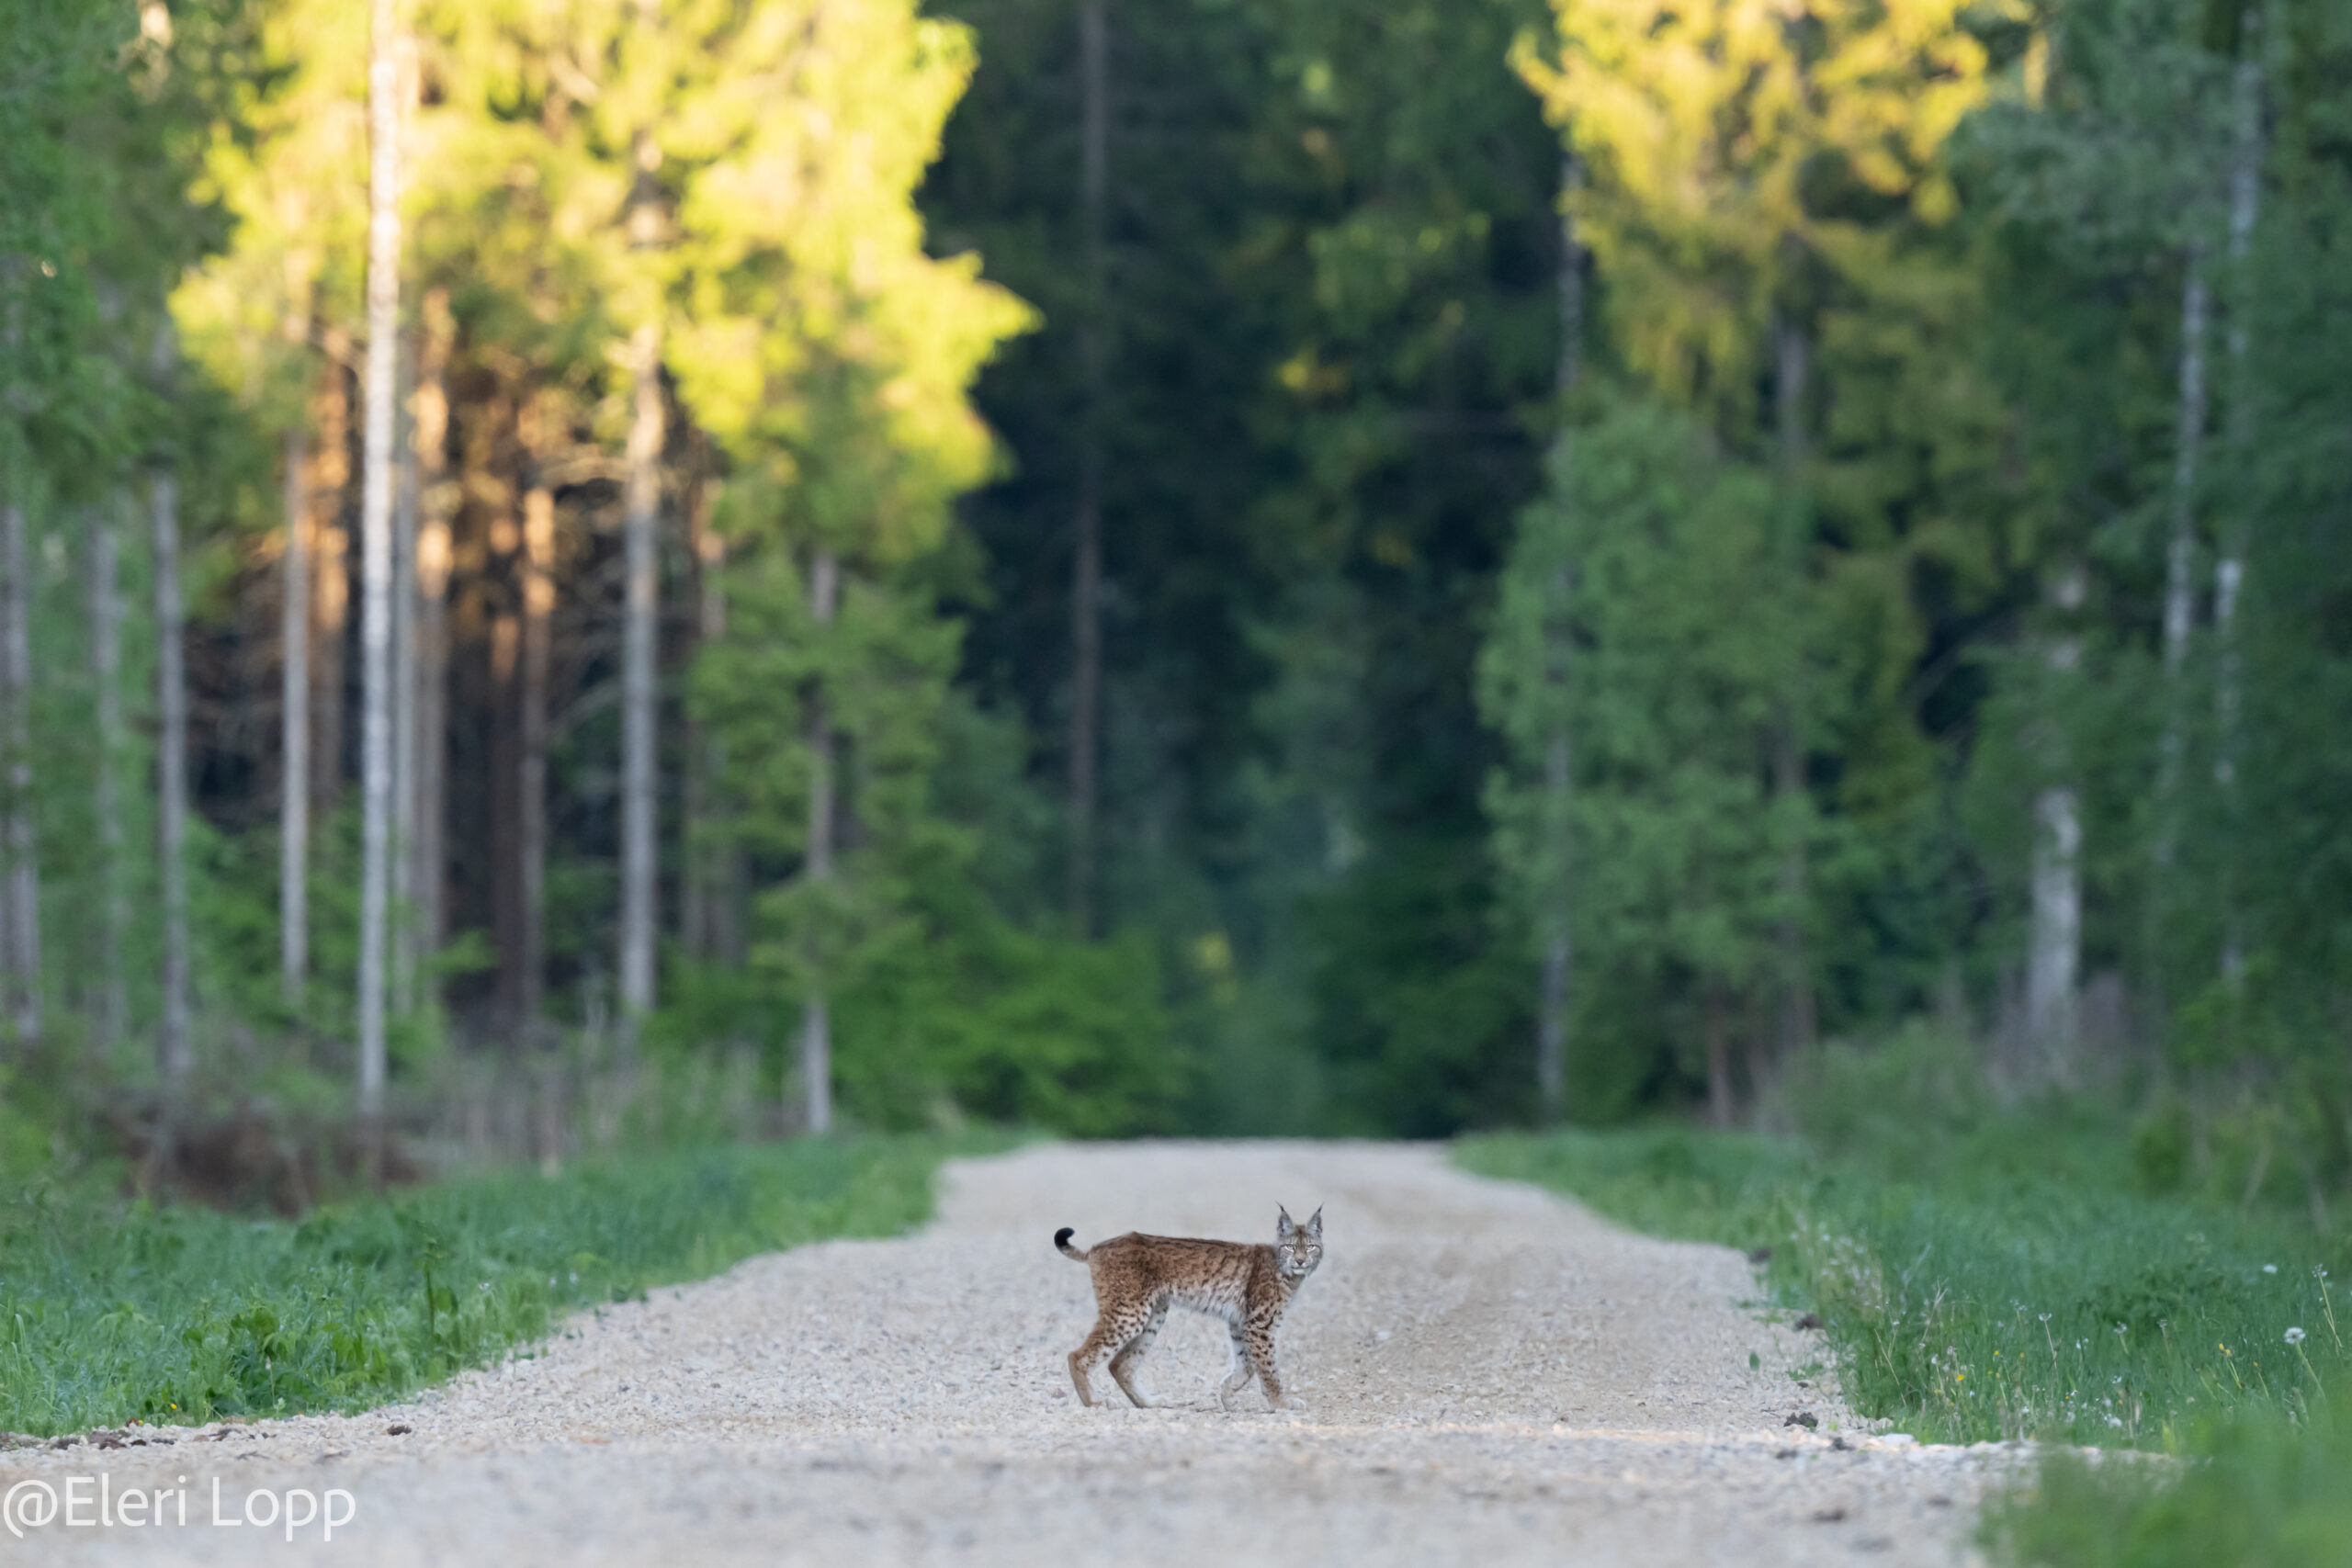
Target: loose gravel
{"type": "Point", "coordinates": [1488, 1373]}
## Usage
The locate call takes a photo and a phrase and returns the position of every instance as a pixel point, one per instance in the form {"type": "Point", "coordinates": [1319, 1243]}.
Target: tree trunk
{"type": "Point", "coordinates": [405, 936]}
{"type": "Point", "coordinates": [1795, 1029]}
{"type": "Point", "coordinates": [294, 789]}
{"type": "Point", "coordinates": [24, 870]}
{"type": "Point", "coordinates": [1086, 578]}
{"type": "Point", "coordinates": [2053, 958]}
{"type": "Point", "coordinates": [330, 570]}
{"type": "Point", "coordinates": [1553, 995]}
{"type": "Point", "coordinates": [2180, 596]}
{"type": "Point", "coordinates": [429, 437]}
{"type": "Point", "coordinates": [816, 1036]}
{"type": "Point", "coordinates": [175, 1049]}
{"type": "Point", "coordinates": [711, 912]}
{"type": "Point", "coordinates": [376, 571]}
{"type": "Point", "coordinates": [2229, 567]}
{"type": "Point", "coordinates": [112, 1011]}
{"type": "Point", "coordinates": [639, 689]}
{"type": "Point", "coordinates": [1717, 1026]}
{"type": "Point", "coordinates": [531, 769]}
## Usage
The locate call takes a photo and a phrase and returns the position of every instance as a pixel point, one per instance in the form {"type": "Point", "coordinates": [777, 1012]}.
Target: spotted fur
{"type": "Point", "coordinates": [1137, 1278]}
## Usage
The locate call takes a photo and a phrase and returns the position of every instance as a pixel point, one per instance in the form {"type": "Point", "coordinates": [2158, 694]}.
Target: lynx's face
{"type": "Point", "coordinates": [1297, 1248]}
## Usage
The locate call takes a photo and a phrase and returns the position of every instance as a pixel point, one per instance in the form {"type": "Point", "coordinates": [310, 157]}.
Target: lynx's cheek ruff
{"type": "Point", "coordinates": [1137, 1278]}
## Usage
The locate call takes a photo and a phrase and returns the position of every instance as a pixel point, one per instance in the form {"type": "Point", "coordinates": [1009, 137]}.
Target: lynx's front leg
{"type": "Point", "coordinates": [1238, 1378]}
{"type": "Point", "coordinates": [1261, 1334]}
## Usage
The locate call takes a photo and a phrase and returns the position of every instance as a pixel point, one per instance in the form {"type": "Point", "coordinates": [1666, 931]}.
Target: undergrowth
{"type": "Point", "coordinates": [110, 1311]}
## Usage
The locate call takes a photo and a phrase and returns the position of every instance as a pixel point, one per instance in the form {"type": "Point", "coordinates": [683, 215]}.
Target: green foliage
{"type": "Point", "coordinates": [1630, 625]}
{"type": "Point", "coordinates": [181, 1316]}
{"type": "Point", "coordinates": [2263, 1489]}
{"type": "Point", "coordinates": [1985, 1273]}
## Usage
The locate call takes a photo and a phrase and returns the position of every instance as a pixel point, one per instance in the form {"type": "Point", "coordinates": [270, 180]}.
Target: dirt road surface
{"type": "Point", "coordinates": [1489, 1374]}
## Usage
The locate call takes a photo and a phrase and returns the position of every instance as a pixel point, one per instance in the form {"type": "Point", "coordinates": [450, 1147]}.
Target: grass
{"type": "Point", "coordinates": [1986, 1273]}
{"type": "Point", "coordinates": [2263, 1492]}
{"type": "Point", "coordinates": [111, 1310]}
{"type": "Point", "coordinates": [1989, 1305]}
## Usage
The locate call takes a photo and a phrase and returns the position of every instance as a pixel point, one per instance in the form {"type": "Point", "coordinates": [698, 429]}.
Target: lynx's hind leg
{"type": "Point", "coordinates": [1238, 1378]}
{"type": "Point", "coordinates": [1112, 1334]}
{"type": "Point", "coordinates": [1128, 1362]}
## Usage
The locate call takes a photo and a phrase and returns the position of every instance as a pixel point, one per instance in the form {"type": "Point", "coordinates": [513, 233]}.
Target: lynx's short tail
{"type": "Point", "coordinates": [1061, 1240]}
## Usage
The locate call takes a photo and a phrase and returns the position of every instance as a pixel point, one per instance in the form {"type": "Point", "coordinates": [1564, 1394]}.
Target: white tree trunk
{"type": "Point", "coordinates": [816, 1034]}
{"type": "Point", "coordinates": [376, 566]}
{"type": "Point", "coordinates": [2053, 958]}
{"type": "Point", "coordinates": [105, 675]}
{"type": "Point", "coordinates": [639, 689]}
{"type": "Point", "coordinates": [294, 785]}
{"type": "Point", "coordinates": [2180, 553]}
{"type": "Point", "coordinates": [2229, 567]}
{"type": "Point", "coordinates": [174, 1048]}
{"type": "Point", "coordinates": [24, 870]}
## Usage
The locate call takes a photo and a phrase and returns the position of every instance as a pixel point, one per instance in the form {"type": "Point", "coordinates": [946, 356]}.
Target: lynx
{"type": "Point", "coordinates": [1137, 1278]}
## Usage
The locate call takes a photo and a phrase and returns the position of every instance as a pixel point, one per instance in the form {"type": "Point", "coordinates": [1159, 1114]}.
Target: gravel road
{"type": "Point", "coordinates": [1489, 1374]}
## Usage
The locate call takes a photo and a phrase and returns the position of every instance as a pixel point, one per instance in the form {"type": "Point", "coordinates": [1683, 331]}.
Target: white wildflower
{"type": "Point", "coordinates": [2294, 1336]}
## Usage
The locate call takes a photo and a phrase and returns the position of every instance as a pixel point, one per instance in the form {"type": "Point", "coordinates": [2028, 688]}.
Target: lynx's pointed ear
{"type": "Point", "coordinates": [1286, 1225]}
{"type": "Point", "coordinates": [1315, 1224]}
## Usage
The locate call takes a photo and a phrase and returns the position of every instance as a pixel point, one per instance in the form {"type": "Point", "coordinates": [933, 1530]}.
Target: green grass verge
{"type": "Point", "coordinates": [2043, 1272]}
{"type": "Point", "coordinates": [110, 1311]}
{"type": "Point", "coordinates": [1969, 1300]}
{"type": "Point", "coordinates": [2262, 1492]}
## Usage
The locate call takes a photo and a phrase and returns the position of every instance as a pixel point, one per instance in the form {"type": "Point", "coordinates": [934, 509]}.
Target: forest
{"type": "Point", "coordinates": [581, 571]}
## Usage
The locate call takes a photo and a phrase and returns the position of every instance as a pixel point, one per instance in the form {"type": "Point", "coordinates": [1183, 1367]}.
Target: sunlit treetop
{"type": "Point", "coordinates": [1724, 138]}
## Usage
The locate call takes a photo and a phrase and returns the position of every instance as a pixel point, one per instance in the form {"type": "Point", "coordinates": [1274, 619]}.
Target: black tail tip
{"type": "Point", "coordinates": [1061, 1237]}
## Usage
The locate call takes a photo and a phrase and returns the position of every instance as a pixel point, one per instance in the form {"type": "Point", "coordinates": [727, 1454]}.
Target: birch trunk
{"type": "Point", "coordinates": [1086, 578]}
{"type": "Point", "coordinates": [1791, 355]}
{"type": "Point", "coordinates": [1553, 995]}
{"type": "Point", "coordinates": [2229, 567]}
{"type": "Point", "coordinates": [815, 1035]}
{"type": "Point", "coordinates": [429, 437]}
{"type": "Point", "coordinates": [294, 721]}
{"type": "Point", "coordinates": [376, 570]}
{"type": "Point", "coordinates": [24, 870]}
{"type": "Point", "coordinates": [105, 675]}
{"type": "Point", "coordinates": [639, 692]}
{"type": "Point", "coordinates": [2181, 594]}
{"type": "Point", "coordinates": [174, 1049]}
{"type": "Point", "coordinates": [2053, 959]}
